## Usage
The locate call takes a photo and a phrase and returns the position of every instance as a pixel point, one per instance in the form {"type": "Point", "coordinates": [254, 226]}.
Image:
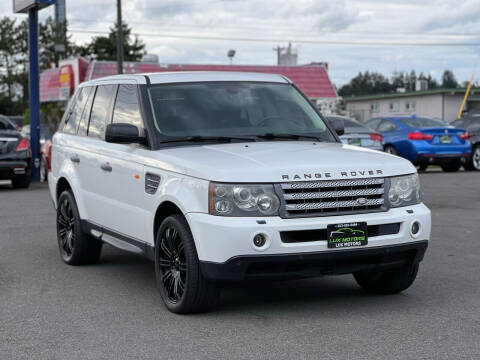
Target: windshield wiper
{"type": "Point", "coordinates": [272, 136]}
{"type": "Point", "coordinates": [199, 138]}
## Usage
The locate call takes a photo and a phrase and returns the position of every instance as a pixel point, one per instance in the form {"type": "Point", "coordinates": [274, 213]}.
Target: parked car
{"type": "Point", "coordinates": [471, 122]}
{"type": "Point", "coordinates": [46, 133]}
{"type": "Point", "coordinates": [220, 176]}
{"type": "Point", "coordinates": [424, 141]}
{"type": "Point", "coordinates": [358, 134]}
{"type": "Point", "coordinates": [15, 155]}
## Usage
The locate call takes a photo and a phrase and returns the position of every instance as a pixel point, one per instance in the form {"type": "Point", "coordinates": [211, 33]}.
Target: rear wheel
{"type": "Point", "coordinates": [179, 278]}
{"type": "Point", "coordinates": [76, 246]}
{"type": "Point", "coordinates": [390, 281]}
{"type": "Point", "coordinates": [453, 166]}
{"type": "Point", "coordinates": [474, 163]}
{"type": "Point", "coordinates": [21, 182]}
{"type": "Point", "coordinates": [391, 150]}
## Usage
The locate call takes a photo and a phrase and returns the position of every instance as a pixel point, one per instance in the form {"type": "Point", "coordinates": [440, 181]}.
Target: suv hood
{"type": "Point", "coordinates": [279, 161]}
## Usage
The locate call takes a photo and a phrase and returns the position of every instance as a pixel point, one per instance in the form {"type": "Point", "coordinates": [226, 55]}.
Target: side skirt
{"type": "Point", "coordinates": [118, 240]}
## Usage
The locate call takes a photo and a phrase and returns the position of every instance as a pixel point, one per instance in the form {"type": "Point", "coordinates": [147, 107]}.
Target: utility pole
{"type": "Point", "coordinates": [119, 38]}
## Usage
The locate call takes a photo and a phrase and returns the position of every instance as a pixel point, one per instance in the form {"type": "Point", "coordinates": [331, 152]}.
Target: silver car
{"type": "Point", "coordinates": [358, 134]}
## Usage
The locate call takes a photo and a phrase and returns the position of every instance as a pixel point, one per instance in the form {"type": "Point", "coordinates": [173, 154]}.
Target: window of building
{"type": "Point", "coordinates": [126, 109]}
{"type": "Point", "coordinates": [393, 107]}
{"type": "Point", "coordinates": [374, 107]}
{"type": "Point", "coordinates": [101, 110]}
{"type": "Point", "coordinates": [410, 106]}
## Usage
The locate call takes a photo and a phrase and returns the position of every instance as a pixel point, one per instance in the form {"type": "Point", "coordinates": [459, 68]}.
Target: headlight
{"type": "Point", "coordinates": [404, 190]}
{"type": "Point", "coordinates": [243, 200]}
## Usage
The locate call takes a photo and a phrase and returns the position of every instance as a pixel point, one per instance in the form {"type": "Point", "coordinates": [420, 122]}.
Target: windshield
{"type": "Point", "coordinates": [423, 122]}
{"type": "Point", "coordinates": [229, 109]}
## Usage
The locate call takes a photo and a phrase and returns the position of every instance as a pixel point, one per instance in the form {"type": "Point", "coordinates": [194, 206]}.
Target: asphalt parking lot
{"type": "Point", "coordinates": [49, 310]}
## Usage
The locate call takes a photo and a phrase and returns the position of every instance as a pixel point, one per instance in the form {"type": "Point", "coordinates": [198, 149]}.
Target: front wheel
{"type": "Point", "coordinates": [390, 281]}
{"type": "Point", "coordinates": [179, 279]}
{"type": "Point", "coordinates": [453, 166]}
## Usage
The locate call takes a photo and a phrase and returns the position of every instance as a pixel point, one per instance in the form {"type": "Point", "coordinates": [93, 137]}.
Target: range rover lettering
{"type": "Point", "coordinates": [223, 176]}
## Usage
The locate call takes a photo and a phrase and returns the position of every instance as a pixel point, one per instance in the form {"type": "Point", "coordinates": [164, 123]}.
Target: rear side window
{"type": "Point", "coordinates": [372, 124]}
{"type": "Point", "coordinates": [101, 111]}
{"type": "Point", "coordinates": [5, 124]}
{"type": "Point", "coordinates": [83, 123]}
{"type": "Point", "coordinates": [126, 109]}
{"type": "Point", "coordinates": [387, 125]}
{"type": "Point", "coordinates": [73, 118]}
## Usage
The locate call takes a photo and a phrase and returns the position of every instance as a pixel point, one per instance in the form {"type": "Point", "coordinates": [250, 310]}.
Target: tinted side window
{"type": "Point", "coordinates": [72, 120]}
{"type": "Point", "coordinates": [126, 108]}
{"type": "Point", "coordinates": [372, 124]}
{"type": "Point", "coordinates": [101, 110]}
{"type": "Point", "coordinates": [387, 125]}
{"type": "Point", "coordinates": [83, 123]}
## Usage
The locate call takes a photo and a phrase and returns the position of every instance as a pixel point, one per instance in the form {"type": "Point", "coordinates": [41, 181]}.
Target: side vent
{"type": "Point", "coordinates": [151, 183]}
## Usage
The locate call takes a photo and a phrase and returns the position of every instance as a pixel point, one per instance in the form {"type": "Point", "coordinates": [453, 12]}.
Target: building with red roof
{"type": "Point", "coordinates": [59, 84]}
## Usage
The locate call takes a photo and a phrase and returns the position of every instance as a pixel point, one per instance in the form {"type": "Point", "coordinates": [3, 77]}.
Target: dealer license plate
{"type": "Point", "coordinates": [347, 235]}
{"type": "Point", "coordinates": [445, 139]}
{"type": "Point", "coordinates": [353, 141]}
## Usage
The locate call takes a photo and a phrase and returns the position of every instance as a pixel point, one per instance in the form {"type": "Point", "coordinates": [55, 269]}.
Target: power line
{"type": "Point", "coordinates": [295, 40]}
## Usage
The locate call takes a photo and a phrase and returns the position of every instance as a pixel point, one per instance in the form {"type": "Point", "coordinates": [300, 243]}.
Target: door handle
{"type": "Point", "coordinates": [106, 167]}
{"type": "Point", "coordinates": [75, 159]}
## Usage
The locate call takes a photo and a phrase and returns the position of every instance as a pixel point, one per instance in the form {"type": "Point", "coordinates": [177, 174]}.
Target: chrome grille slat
{"type": "Point", "coordinates": [333, 204]}
{"type": "Point", "coordinates": [332, 183]}
{"type": "Point", "coordinates": [333, 194]}
{"type": "Point", "coordinates": [332, 197]}
{"type": "Point", "coordinates": [152, 181]}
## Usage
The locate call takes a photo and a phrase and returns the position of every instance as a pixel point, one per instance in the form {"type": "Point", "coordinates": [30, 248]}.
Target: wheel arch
{"type": "Point", "coordinates": [164, 210]}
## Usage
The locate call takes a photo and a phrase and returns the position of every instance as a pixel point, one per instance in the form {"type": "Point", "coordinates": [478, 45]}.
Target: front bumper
{"type": "Point", "coordinates": [293, 266]}
{"type": "Point", "coordinates": [219, 239]}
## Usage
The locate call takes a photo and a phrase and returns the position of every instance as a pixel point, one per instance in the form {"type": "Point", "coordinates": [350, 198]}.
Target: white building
{"type": "Point", "coordinates": [440, 103]}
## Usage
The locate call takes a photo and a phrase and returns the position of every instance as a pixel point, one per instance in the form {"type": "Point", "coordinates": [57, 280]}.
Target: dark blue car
{"type": "Point", "coordinates": [424, 141]}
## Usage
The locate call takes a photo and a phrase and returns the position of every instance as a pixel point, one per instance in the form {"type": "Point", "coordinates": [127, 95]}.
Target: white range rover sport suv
{"type": "Point", "coordinates": [223, 176]}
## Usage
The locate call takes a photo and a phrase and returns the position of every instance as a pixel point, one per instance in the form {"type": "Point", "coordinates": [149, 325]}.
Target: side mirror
{"type": "Point", "coordinates": [123, 134]}
{"type": "Point", "coordinates": [338, 125]}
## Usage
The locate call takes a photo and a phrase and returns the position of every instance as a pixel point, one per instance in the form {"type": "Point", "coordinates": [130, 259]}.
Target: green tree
{"type": "Point", "coordinates": [366, 84]}
{"type": "Point", "coordinates": [105, 47]}
{"type": "Point", "coordinates": [448, 80]}
{"type": "Point", "coordinates": [7, 55]}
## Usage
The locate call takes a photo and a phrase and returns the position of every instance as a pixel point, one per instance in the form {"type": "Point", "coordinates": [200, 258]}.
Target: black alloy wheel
{"type": "Point", "coordinates": [66, 229]}
{"type": "Point", "coordinates": [172, 264]}
{"type": "Point", "coordinates": [76, 246]}
{"type": "Point", "coordinates": [179, 278]}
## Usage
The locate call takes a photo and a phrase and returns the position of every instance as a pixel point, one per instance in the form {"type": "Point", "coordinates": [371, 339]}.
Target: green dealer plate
{"type": "Point", "coordinates": [347, 235]}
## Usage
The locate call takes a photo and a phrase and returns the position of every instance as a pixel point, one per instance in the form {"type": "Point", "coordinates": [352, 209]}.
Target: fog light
{"type": "Point", "coordinates": [415, 228]}
{"type": "Point", "coordinates": [259, 240]}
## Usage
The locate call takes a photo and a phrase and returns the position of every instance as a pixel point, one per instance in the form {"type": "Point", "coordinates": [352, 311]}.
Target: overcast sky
{"type": "Point", "coordinates": [376, 24]}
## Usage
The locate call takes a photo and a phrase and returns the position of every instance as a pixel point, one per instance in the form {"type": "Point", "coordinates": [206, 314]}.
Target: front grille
{"type": "Point", "coordinates": [332, 197]}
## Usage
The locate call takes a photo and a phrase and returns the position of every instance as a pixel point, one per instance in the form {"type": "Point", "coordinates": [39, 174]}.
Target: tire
{"type": "Point", "coordinates": [76, 246]}
{"type": "Point", "coordinates": [422, 167]}
{"type": "Point", "coordinates": [387, 282]}
{"type": "Point", "coordinates": [474, 162]}
{"type": "Point", "coordinates": [391, 150]}
{"type": "Point", "coordinates": [179, 279]}
{"type": "Point", "coordinates": [21, 182]}
{"type": "Point", "coordinates": [453, 166]}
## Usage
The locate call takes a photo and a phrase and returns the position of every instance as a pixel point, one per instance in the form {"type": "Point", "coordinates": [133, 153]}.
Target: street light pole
{"type": "Point", "coordinates": [119, 38]}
